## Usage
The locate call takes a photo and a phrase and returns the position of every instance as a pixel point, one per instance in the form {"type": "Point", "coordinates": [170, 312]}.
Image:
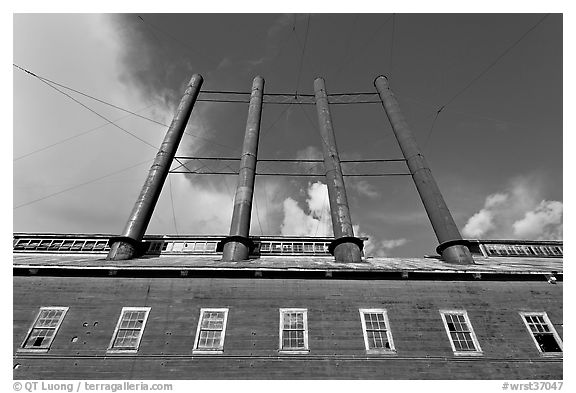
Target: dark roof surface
{"type": "Point", "coordinates": [523, 265]}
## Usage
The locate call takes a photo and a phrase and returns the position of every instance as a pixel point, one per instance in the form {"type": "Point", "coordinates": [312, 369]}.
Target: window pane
{"type": "Point", "coordinates": [377, 339]}
{"type": "Point", "coordinates": [127, 338]}
{"type": "Point", "coordinates": [547, 343]}
{"type": "Point", "coordinates": [213, 320]}
{"type": "Point", "coordinates": [293, 339]}
{"type": "Point", "coordinates": [39, 338]}
{"type": "Point", "coordinates": [209, 339]}
{"type": "Point", "coordinates": [49, 318]}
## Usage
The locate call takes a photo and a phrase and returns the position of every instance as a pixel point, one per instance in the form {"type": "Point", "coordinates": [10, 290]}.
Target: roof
{"type": "Point", "coordinates": [85, 254]}
{"type": "Point", "coordinates": [189, 265]}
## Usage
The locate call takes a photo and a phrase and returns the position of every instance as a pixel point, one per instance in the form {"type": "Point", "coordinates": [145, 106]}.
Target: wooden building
{"type": "Point", "coordinates": [289, 312]}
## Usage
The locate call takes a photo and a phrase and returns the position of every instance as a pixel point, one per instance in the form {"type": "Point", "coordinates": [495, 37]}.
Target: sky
{"type": "Point", "coordinates": [495, 149]}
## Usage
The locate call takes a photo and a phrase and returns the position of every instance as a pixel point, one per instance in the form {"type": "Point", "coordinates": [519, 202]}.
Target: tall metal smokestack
{"type": "Point", "coordinates": [345, 247]}
{"type": "Point", "coordinates": [452, 247]}
{"type": "Point", "coordinates": [127, 245]}
{"type": "Point", "coordinates": [237, 246]}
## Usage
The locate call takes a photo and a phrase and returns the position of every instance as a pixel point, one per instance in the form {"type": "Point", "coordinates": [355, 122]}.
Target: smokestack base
{"type": "Point", "coordinates": [347, 249]}
{"type": "Point", "coordinates": [235, 248]}
{"type": "Point", "coordinates": [122, 249]}
{"type": "Point", "coordinates": [456, 251]}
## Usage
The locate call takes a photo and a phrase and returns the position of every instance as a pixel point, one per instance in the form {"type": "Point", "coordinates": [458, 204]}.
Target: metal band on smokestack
{"type": "Point", "coordinates": [345, 247]}
{"type": "Point", "coordinates": [452, 247]}
{"type": "Point", "coordinates": [237, 246]}
{"type": "Point", "coordinates": [128, 245]}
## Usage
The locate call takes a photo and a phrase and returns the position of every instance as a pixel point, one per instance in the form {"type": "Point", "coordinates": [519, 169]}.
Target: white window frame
{"type": "Point", "coordinates": [392, 349]}
{"type": "Point", "coordinates": [111, 348]}
{"type": "Point", "coordinates": [220, 348]}
{"type": "Point", "coordinates": [304, 312]}
{"type": "Point", "coordinates": [32, 327]}
{"type": "Point", "coordinates": [478, 351]}
{"type": "Point", "coordinates": [525, 314]}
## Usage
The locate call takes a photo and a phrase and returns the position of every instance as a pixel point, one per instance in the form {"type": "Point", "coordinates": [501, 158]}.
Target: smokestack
{"type": "Point", "coordinates": [345, 247]}
{"type": "Point", "coordinates": [452, 247]}
{"type": "Point", "coordinates": [237, 246]}
{"type": "Point", "coordinates": [127, 245]}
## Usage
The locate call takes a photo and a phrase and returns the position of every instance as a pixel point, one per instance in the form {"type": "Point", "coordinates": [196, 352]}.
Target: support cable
{"type": "Point", "coordinates": [392, 45]}
{"type": "Point", "coordinates": [172, 202]}
{"type": "Point", "coordinates": [82, 184]}
{"type": "Point", "coordinates": [493, 63]}
{"type": "Point", "coordinates": [302, 55]}
{"type": "Point", "coordinates": [485, 70]}
{"type": "Point", "coordinates": [70, 138]}
{"type": "Point", "coordinates": [41, 78]}
{"type": "Point", "coordinates": [366, 43]}
{"type": "Point", "coordinates": [90, 109]}
{"type": "Point", "coordinates": [258, 215]}
{"type": "Point", "coordinates": [321, 214]}
{"type": "Point", "coordinates": [184, 44]}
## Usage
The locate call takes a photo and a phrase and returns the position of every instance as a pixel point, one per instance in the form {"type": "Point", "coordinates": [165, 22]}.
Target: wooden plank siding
{"type": "Point", "coordinates": [251, 342]}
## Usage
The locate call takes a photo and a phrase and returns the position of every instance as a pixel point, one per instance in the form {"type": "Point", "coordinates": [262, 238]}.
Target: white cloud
{"type": "Point", "coordinates": [364, 188]}
{"type": "Point", "coordinates": [519, 212]}
{"type": "Point", "coordinates": [542, 223]}
{"type": "Point", "coordinates": [317, 222]}
{"type": "Point", "coordinates": [379, 248]}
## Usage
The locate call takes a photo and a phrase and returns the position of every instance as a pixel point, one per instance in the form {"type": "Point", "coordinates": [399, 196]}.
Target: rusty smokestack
{"type": "Point", "coordinates": [127, 245]}
{"type": "Point", "coordinates": [452, 247]}
{"type": "Point", "coordinates": [237, 246]}
{"type": "Point", "coordinates": [345, 247]}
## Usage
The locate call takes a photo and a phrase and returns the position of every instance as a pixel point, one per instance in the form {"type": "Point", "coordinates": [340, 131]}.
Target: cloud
{"type": "Point", "coordinates": [316, 221]}
{"type": "Point", "coordinates": [204, 208]}
{"type": "Point", "coordinates": [310, 153]}
{"type": "Point", "coordinates": [272, 46]}
{"type": "Point", "coordinates": [519, 212]}
{"type": "Point", "coordinates": [380, 248]}
{"type": "Point", "coordinates": [364, 188]}
{"type": "Point", "coordinates": [543, 222]}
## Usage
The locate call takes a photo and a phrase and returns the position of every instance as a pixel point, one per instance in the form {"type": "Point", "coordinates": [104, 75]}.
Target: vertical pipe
{"type": "Point", "coordinates": [126, 246]}
{"type": "Point", "coordinates": [237, 245]}
{"type": "Point", "coordinates": [346, 248]}
{"type": "Point", "coordinates": [452, 247]}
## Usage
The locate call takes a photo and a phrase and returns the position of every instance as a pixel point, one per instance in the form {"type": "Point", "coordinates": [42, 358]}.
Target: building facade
{"type": "Point", "coordinates": [289, 312]}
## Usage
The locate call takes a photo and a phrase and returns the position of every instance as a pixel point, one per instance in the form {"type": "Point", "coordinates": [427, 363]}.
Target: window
{"type": "Point", "coordinates": [44, 329]}
{"type": "Point", "coordinates": [543, 333]}
{"type": "Point", "coordinates": [66, 245]}
{"type": "Point", "coordinates": [211, 246]}
{"type": "Point", "coordinates": [211, 330]}
{"type": "Point", "coordinates": [293, 330]}
{"type": "Point", "coordinates": [55, 245]}
{"type": "Point", "coordinates": [129, 329]}
{"type": "Point", "coordinates": [376, 329]}
{"type": "Point", "coordinates": [460, 332]}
